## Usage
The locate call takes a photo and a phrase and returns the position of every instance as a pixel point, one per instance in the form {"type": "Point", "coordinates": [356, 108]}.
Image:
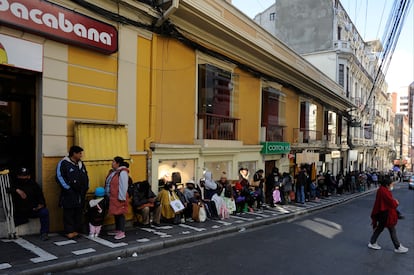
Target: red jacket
{"type": "Point", "coordinates": [384, 201]}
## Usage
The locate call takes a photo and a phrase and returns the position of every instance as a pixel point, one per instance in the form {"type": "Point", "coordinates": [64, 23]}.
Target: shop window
{"type": "Point", "coordinates": [217, 168]}
{"type": "Point", "coordinates": [273, 113]}
{"type": "Point", "coordinates": [215, 103]}
{"type": "Point", "coordinates": [331, 127]}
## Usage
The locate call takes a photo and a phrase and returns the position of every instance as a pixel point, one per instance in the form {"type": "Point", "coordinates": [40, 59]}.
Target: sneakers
{"type": "Point", "coordinates": [374, 246]}
{"type": "Point", "coordinates": [120, 235]}
{"type": "Point", "coordinates": [401, 249]}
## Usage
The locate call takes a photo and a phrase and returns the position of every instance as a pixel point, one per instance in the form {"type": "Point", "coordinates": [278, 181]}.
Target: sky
{"type": "Point", "coordinates": [370, 18]}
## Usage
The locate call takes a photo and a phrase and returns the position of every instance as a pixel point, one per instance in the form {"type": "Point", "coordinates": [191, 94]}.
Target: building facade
{"type": "Point", "coordinates": [323, 33]}
{"type": "Point", "coordinates": [175, 87]}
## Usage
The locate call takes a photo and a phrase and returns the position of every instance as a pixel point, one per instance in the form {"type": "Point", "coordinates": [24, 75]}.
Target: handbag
{"type": "Point", "coordinates": [199, 212]}
{"type": "Point", "coordinates": [176, 205]}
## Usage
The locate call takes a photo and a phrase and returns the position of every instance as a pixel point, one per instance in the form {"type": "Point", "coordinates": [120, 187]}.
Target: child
{"type": "Point", "coordinates": [96, 212]}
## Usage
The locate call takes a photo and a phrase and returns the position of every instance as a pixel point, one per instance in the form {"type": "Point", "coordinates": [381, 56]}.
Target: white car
{"type": "Point", "coordinates": [411, 183]}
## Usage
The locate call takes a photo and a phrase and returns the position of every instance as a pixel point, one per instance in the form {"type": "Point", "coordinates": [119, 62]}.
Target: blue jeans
{"type": "Point", "coordinates": [42, 214]}
{"type": "Point", "coordinates": [300, 194]}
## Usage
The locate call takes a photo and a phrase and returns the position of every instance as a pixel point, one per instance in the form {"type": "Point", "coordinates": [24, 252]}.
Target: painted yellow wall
{"type": "Point", "coordinates": [92, 84]}
{"type": "Point", "coordinates": [143, 79]}
{"type": "Point", "coordinates": [174, 86]}
{"type": "Point", "coordinates": [292, 112]}
{"type": "Point", "coordinates": [249, 110]}
{"type": "Point", "coordinates": [51, 192]}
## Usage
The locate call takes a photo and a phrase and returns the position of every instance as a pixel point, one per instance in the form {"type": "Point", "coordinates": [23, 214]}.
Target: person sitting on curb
{"type": "Point", "coordinates": [144, 203]}
{"type": "Point", "coordinates": [29, 202]}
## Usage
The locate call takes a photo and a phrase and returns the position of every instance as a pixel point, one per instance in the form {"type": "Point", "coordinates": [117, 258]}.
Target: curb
{"type": "Point", "coordinates": [140, 248]}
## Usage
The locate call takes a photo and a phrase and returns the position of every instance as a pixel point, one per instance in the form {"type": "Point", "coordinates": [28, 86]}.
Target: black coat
{"type": "Point", "coordinates": [23, 208]}
{"type": "Point", "coordinates": [74, 182]}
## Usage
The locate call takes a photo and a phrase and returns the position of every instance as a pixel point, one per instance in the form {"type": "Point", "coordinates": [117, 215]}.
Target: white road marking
{"type": "Point", "coordinates": [259, 215]}
{"type": "Point", "coordinates": [224, 223]}
{"type": "Point", "coordinates": [162, 227]}
{"type": "Point", "coordinates": [64, 242]}
{"type": "Point", "coordinates": [83, 251]}
{"type": "Point", "coordinates": [161, 234]}
{"type": "Point", "coordinates": [241, 218]}
{"type": "Point", "coordinates": [185, 232]}
{"type": "Point", "coordinates": [143, 240]}
{"type": "Point", "coordinates": [43, 255]}
{"type": "Point", "coordinates": [215, 226]}
{"type": "Point", "coordinates": [5, 266]}
{"type": "Point", "coordinates": [192, 227]}
{"type": "Point", "coordinates": [106, 242]}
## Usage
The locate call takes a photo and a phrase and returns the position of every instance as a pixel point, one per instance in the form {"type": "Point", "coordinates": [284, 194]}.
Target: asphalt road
{"type": "Point", "coordinates": [330, 241]}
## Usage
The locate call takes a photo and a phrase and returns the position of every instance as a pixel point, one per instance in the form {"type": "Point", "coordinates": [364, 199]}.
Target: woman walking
{"type": "Point", "coordinates": [384, 214]}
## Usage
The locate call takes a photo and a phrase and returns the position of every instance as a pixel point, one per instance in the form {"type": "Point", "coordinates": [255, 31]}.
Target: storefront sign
{"type": "Point", "coordinates": [20, 53]}
{"type": "Point", "coordinates": [275, 148]}
{"type": "Point", "coordinates": [352, 155]}
{"type": "Point", "coordinates": [58, 23]}
{"type": "Point", "coordinates": [307, 157]}
{"type": "Point", "coordinates": [335, 154]}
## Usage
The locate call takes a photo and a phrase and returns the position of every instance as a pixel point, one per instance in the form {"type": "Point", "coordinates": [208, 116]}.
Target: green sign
{"type": "Point", "coordinates": [275, 148]}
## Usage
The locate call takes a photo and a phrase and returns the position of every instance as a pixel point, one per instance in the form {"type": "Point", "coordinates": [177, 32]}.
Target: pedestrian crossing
{"type": "Point", "coordinates": [85, 245]}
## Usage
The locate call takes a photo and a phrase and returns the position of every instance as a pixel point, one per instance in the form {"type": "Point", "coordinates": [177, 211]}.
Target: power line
{"type": "Point", "coordinates": [392, 31]}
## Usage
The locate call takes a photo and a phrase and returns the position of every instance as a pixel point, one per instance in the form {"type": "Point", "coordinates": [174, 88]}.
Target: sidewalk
{"type": "Point", "coordinates": [30, 255]}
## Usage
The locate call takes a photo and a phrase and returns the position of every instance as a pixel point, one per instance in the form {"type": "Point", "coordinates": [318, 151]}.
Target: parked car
{"type": "Point", "coordinates": [407, 176]}
{"type": "Point", "coordinates": [411, 183]}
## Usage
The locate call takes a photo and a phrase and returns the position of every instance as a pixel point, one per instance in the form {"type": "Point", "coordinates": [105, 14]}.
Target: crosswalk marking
{"type": "Point", "coordinates": [43, 255]}
{"type": "Point", "coordinates": [106, 242]}
{"type": "Point", "coordinates": [83, 251]}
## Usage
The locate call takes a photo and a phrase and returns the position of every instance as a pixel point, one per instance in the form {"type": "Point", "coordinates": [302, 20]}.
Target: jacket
{"type": "Point", "coordinates": [74, 182]}
{"type": "Point", "coordinates": [23, 208]}
{"type": "Point", "coordinates": [117, 185]}
{"type": "Point", "coordinates": [385, 207]}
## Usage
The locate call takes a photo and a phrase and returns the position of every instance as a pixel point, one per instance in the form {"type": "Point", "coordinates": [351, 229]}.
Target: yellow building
{"type": "Point", "coordinates": [196, 86]}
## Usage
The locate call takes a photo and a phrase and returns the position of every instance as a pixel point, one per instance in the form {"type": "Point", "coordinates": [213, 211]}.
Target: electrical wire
{"type": "Point", "coordinates": [392, 31]}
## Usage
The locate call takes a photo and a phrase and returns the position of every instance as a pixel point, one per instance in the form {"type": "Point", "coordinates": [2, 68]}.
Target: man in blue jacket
{"type": "Point", "coordinates": [73, 179]}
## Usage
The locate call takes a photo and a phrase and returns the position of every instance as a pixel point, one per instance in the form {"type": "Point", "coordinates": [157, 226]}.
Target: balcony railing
{"type": "Point", "coordinates": [302, 135]}
{"type": "Point", "coordinates": [212, 126]}
{"type": "Point", "coordinates": [275, 133]}
{"type": "Point", "coordinates": [343, 46]}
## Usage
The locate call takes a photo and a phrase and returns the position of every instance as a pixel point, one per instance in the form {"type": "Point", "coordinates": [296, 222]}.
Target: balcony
{"type": "Point", "coordinates": [302, 135]}
{"type": "Point", "coordinates": [212, 126]}
{"type": "Point", "coordinates": [342, 46]}
{"type": "Point", "coordinates": [273, 133]}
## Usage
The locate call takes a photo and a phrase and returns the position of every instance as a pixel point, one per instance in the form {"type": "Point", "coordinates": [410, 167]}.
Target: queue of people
{"type": "Point", "coordinates": [178, 203]}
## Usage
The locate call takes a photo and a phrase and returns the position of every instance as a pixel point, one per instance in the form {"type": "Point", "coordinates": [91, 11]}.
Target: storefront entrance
{"type": "Point", "coordinates": [17, 118]}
